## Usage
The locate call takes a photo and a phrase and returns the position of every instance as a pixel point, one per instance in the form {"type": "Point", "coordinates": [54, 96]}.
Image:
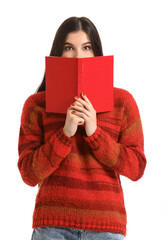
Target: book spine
{"type": "Point", "coordinates": [80, 76]}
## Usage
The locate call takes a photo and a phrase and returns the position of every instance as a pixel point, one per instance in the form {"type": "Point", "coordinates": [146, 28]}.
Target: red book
{"type": "Point", "coordinates": [69, 77]}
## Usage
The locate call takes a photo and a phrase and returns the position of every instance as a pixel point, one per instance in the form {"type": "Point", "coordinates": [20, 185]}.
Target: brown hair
{"type": "Point", "coordinates": [74, 24]}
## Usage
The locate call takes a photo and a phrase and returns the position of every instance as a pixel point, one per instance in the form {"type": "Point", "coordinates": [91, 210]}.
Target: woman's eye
{"type": "Point", "coordinates": [68, 48]}
{"type": "Point", "coordinates": [87, 47]}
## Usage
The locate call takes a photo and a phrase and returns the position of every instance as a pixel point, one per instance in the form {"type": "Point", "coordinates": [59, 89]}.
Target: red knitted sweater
{"type": "Point", "coordinates": [79, 177]}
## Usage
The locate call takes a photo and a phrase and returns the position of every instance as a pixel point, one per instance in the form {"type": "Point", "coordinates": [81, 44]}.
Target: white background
{"type": "Point", "coordinates": [135, 33]}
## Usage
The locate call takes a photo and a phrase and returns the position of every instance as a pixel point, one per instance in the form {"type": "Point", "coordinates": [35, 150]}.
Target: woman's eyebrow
{"type": "Point", "coordinates": [68, 43]}
{"type": "Point", "coordinates": [86, 43]}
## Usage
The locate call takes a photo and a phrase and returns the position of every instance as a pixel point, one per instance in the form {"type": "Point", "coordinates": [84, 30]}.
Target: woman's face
{"type": "Point", "coordinates": [77, 45]}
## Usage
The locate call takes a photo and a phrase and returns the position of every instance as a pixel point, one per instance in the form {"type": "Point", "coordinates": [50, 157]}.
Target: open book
{"type": "Point", "coordinates": [69, 77]}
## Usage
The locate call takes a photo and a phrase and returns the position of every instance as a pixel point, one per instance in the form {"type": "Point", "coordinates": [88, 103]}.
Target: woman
{"type": "Point", "coordinates": [77, 158]}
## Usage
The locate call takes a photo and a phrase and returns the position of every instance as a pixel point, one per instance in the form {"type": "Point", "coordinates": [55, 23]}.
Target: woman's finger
{"type": "Point", "coordinates": [85, 104]}
{"type": "Point", "coordinates": [81, 114]}
{"type": "Point", "coordinates": [77, 103]}
{"type": "Point", "coordinates": [85, 98]}
{"type": "Point", "coordinates": [81, 110]}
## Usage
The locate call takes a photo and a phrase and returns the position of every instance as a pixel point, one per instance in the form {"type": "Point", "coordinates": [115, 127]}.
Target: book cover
{"type": "Point", "coordinates": [69, 77]}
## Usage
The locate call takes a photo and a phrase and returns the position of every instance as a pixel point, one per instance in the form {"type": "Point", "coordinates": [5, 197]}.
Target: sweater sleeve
{"type": "Point", "coordinates": [125, 155]}
{"type": "Point", "coordinates": [37, 160]}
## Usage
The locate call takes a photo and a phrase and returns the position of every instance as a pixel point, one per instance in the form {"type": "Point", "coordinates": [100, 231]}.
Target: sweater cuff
{"type": "Point", "coordinates": [63, 138]}
{"type": "Point", "coordinates": [94, 136]}
{"type": "Point", "coordinates": [61, 143]}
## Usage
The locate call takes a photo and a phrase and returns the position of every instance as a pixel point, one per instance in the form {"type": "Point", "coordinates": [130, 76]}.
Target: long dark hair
{"type": "Point", "coordinates": [73, 24]}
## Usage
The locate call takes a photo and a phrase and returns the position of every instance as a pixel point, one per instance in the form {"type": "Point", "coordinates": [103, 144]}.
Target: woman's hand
{"type": "Point", "coordinates": [72, 121]}
{"type": "Point", "coordinates": [85, 110]}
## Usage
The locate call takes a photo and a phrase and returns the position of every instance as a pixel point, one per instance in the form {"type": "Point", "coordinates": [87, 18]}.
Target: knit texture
{"type": "Point", "coordinates": [79, 177]}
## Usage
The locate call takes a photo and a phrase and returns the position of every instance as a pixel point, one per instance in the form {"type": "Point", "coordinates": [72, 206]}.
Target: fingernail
{"type": "Point", "coordinates": [83, 94]}
{"type": "Point", "coordinates": [73, 111]}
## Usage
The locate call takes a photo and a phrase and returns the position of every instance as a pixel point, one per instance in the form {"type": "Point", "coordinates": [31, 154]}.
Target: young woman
{"type": "Point", "coordinates": [77, 158]}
